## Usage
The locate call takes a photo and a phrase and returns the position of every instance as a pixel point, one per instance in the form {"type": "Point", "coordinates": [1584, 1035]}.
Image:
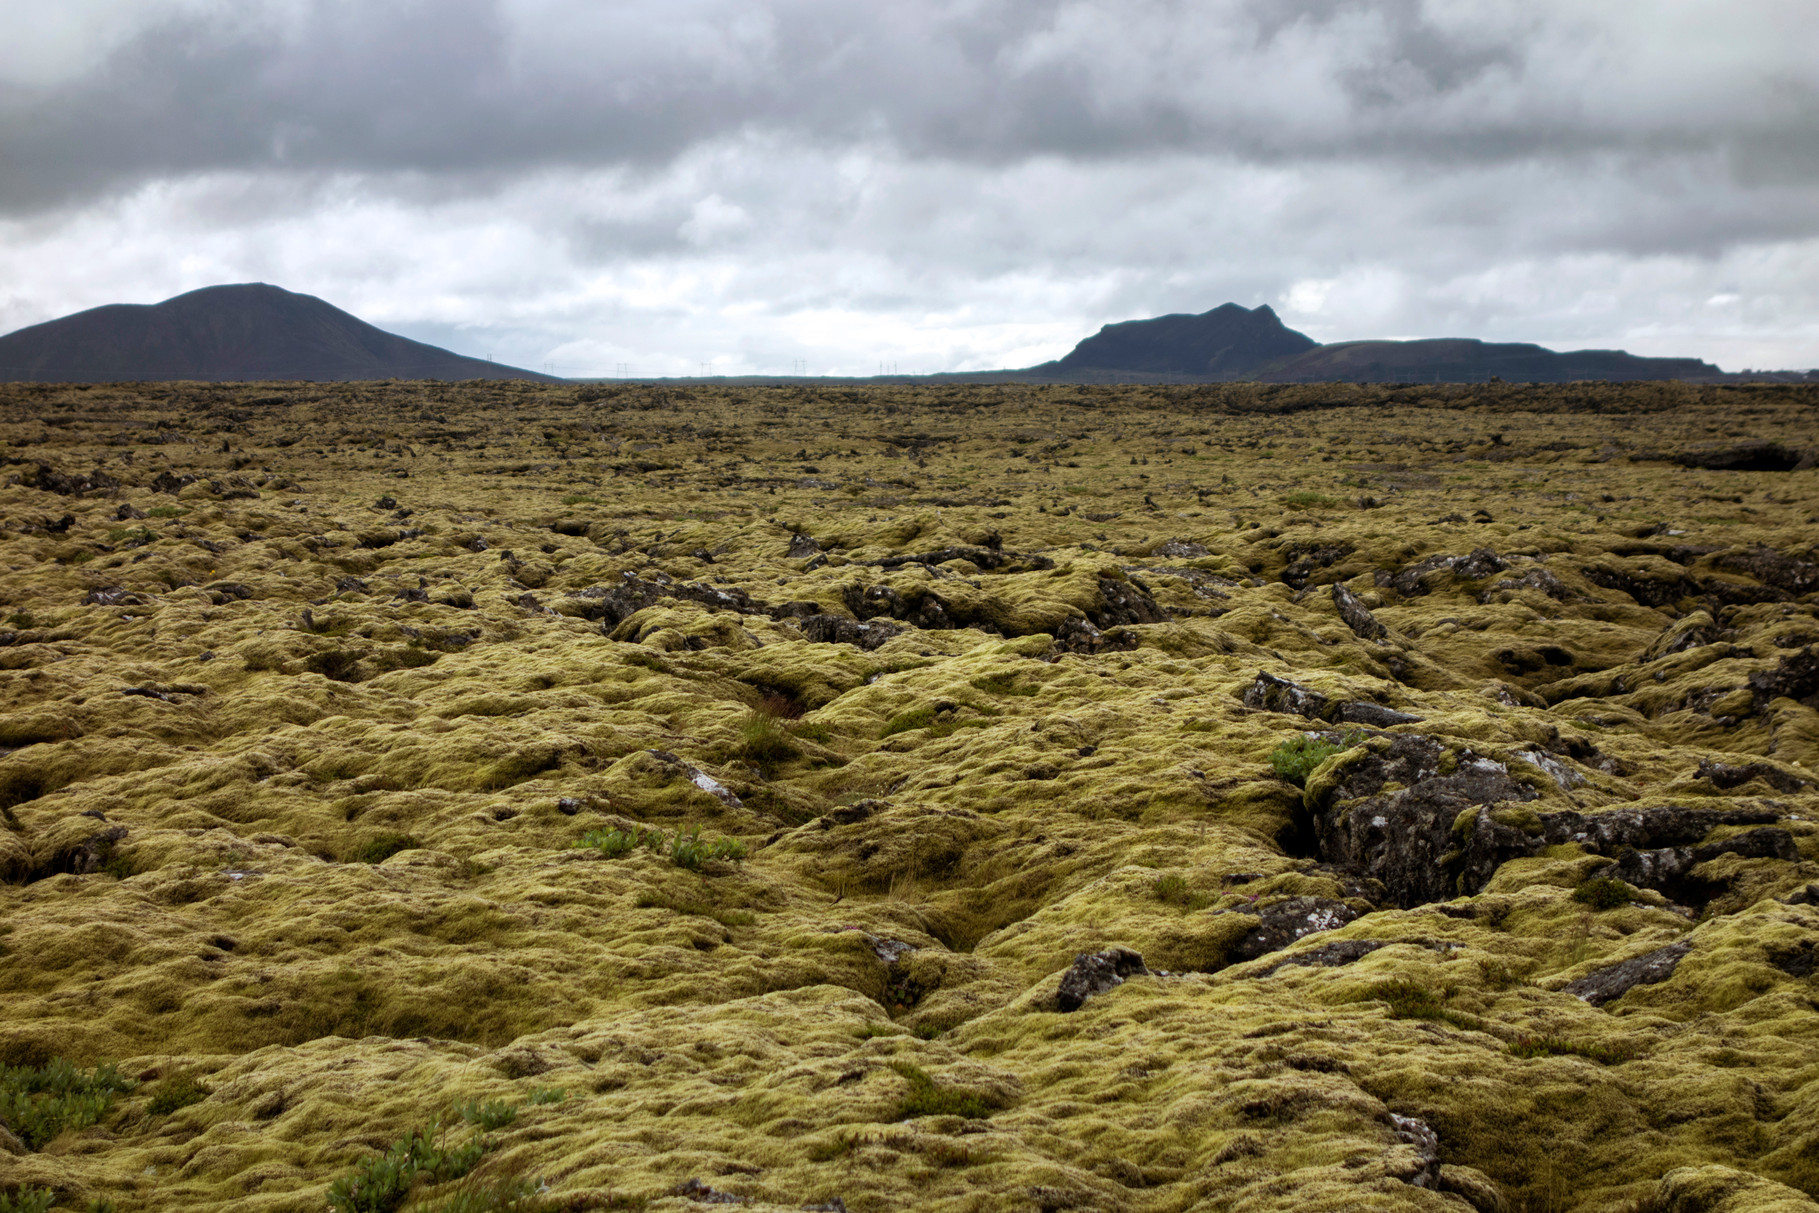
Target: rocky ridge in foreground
{"type": "Point", "coordinates": [1011, 798]}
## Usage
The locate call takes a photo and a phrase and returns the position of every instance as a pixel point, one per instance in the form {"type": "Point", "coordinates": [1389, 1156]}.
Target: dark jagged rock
{"type": "Point", "coordinates": [165, 482]}
{"type": "Point", "coordinates": [1080, 636]}
{"type": "Point", "coordinates": [1608, 984]}
{"type": "Point", "coordinates": [1795, 676]}
{"type": "Point", "coordinates": [1799, 961]}
{"type": "Point", "coordinates": [802, 546]}
{"type": "Point", "coordinates": [1282, 924]}
{"type": "Point", "coordinates": [1125, 602]}
{"type": "Point", "coordinates": [1425, 576]}
{"type": "Point", "coordinates": [1327, 956]}
{"type": "Point", "coordinates": [1727, 775]}
{"type": "Point", "coordinates": [1755, 455]}
{"type": "Point", "coordinates": [1538, 578]}
{"type": "Point", "coordinates": [988, 559]}
{"type": "Point", "coordinates": [1426, 1144]}
{"type": "Point", "coordinates": [1357, 616]}
{"type": "Point", "coordinates": [1770, 567]}
{"type": "Point", "coordinates": [47, 479]}
{"type": "Point", "coordinates": [1666, 868]}
{"type": "Point", "coordinates": [1308, 561]}
{"type": "Point", "coordinates": [1271, 694]}
{"type": "Point", "coordinates": [614, 604]}
{"type": "Point", "coordinates": [1096, 972]}
{"type": "Point", "coordinates": [837, 629]}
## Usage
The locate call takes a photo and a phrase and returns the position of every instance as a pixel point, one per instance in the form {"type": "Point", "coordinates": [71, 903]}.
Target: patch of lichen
{"type": "Point", "coordinates": [292, 768]}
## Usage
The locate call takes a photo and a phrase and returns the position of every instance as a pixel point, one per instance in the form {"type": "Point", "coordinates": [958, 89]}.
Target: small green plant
{"type": "Point", "coordinates": [135, 535]}
{"type": "Point", "coordinates": [166, 511]}
{"type": "Point", "coordinates": [689, 850]}
{"type": "Point", "coordinates": [926, 1098]}
{"type": "Point", "coordinates": [380, 1183]}
{"type": "Point", "coordinates": [176, 1093]}
{"type": "Point", "coordinates": [1173, 889]}
{"type": "Point", "coordinates": [382, 847]}
{"type": "Point", "coordinates": [39, 1102]}
{"type": "Point", "coordinates": [22, 619]}
{"type": "Point", "coordinates": [1308, 500]}
{"type": "Point", "coordinates": [614, 843]}
{"type": "Point", "coordinates": [99, 1204]}
{"type": "Point", "coordinates": [1296, 759]}
{"type": "Point", "coordinates": [685, 848]}
{"type": "Point", "coordinates": [27, 1200]}
{"type": "Point", "coordinates": [1602, 893]}
{"type": "Point", "coordinates": [546, 1095]}
{"type": "Point", "coordinates": [494, 1114]}
{"type": "Point", "coordinates": [937, 724]}
{"type": "Point", "coordinates": [1554, 1046]}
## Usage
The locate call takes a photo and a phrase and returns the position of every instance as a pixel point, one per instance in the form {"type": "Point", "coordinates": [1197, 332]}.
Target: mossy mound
{"type": "Point", "coordinates": [649, 797]}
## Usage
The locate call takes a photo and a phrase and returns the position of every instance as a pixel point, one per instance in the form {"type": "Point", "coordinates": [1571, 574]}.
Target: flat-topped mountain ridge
{"type": "Point", "coordinates": [245, 331]}
{"type": "Point", "coordinates": [1232, 342]}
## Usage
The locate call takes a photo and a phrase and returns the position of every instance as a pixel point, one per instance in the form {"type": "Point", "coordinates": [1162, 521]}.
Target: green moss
{"type": "Point", "coordinates": [926, 1098]}
{"type": "Point", "coordinates": [175, 1093]}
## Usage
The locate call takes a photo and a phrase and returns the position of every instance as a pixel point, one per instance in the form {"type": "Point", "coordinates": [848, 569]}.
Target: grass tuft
{"type": "Point", "coordinates": [1172, 889]}
{"type": "Point", "coordinates": [382, 1182]}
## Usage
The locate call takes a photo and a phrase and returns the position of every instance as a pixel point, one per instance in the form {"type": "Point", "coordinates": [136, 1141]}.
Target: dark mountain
{"type": "Point", "coordinates": [1232, 342]}
{"type": "Point", "coordinates": [1223, 343]}
{"type": "Point", "coordinates": [248, 331]}
{"type": "Point", "coordinates": [1463, 360]}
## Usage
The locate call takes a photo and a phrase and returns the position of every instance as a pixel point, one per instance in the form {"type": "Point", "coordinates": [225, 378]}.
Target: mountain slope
{"type": "Point", "coordinates": [241, 332]}
{"type": "Point", "coordinates": [1454, 359]}
{"type": "Point", "coordinates": [1224, 343]}
{"type": "Point", "coordinates": [1234, 342]}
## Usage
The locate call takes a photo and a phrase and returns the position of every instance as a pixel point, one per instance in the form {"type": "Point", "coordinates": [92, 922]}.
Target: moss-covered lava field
{"type": "Point", "coordinates": [505, 796]}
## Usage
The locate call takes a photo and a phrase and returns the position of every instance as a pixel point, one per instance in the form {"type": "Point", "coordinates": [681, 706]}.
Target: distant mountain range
{"type": "Point", "coordinates": [246, 331]}
{"type": "Point", "coordinates": [255, 331]}
{"type": "Point", "coordinates": [1233, 342]}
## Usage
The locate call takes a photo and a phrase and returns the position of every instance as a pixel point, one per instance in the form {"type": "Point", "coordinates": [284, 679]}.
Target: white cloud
{"type": "Point", "coordinates": [946, 184]}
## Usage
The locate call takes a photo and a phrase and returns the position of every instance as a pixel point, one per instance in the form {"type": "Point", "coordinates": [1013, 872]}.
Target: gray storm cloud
{"type": "Point", "coordinates": [1398, 163]}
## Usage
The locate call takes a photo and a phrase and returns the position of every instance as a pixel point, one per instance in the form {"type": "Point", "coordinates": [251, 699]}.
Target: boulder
{"type": "Point", "coordinates": [1095, 973]}
{"type": "Point", "coordinates": [1613, 982]}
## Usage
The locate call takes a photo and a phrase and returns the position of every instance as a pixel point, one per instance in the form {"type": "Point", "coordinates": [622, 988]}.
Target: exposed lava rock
{"type": "Point", "coordinates": [1095, 973]}
{"type": "Point", "coordinates": [1608, 984]}
{"type": "Point", "coordinates": [1281, 924]}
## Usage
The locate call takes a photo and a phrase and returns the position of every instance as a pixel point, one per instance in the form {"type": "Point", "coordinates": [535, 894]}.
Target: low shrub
{"type": "Point", "coordinates": [1407, 1000]}
{"type": "Point", "coordinates": [1307, 500]}
{"type": "Point", "coordinates": [39, 1102]}
{"type": "Point", "coordinates": [27, 1200]}
{"type": "Point", "coordinates": [1296, 759]}
{"type": "Point", "coordinates": [1602, 893]}
{"type": "Point", "coordinates": [546, 1095]}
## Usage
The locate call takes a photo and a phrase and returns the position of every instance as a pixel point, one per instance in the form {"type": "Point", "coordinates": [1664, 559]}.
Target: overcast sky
{"type": "Point", "coordinates": [926, 184]}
